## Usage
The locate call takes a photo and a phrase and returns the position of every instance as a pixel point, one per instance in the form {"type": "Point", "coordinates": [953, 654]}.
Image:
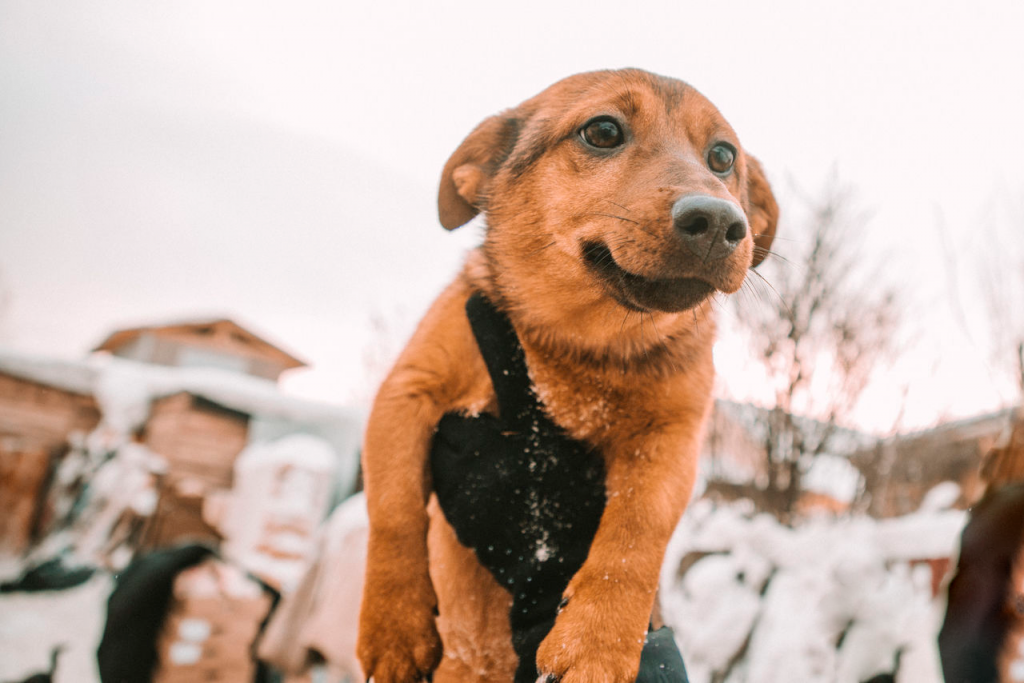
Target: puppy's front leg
{"type": "Point", "coordinates": [599, 634]}
{"type": "Point", "coordinates": [398, 639]}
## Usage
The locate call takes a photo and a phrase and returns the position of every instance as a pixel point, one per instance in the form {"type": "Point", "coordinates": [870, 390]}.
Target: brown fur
{"type": "Point", "coordinates": [636, 384]}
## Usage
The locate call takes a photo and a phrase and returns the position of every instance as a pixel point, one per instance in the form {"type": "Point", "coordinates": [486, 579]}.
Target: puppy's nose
{"type": "Point", "coordinates": [710, 227]}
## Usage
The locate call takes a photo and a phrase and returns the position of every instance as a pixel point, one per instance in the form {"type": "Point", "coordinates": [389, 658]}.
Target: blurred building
{"type": "Point", "coordinates": [899, 472]}
{"type": "Point", "coordinates": [221, 344]}
{"type": "Point", "coordinates": [885, 477]}
{"type": "Point", "coordinates": [37, 421]}
{"type": "Point", "coordinates": [138, 444]}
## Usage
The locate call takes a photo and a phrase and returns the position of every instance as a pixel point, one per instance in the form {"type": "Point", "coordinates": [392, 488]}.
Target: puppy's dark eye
{"type": "Point", "coordinates": [603, 133]}
{"type": "Point", "coordinates": [721, 158]}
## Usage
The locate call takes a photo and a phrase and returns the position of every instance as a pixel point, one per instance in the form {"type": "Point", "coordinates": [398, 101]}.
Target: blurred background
{"type": "Point", "coordinates": [218, 228]}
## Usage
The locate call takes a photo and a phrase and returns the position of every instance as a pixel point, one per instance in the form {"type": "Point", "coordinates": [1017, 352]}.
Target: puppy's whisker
{"type": "Point", "coordinates": [624, 208]}
{"type": "Point", "coordinates": [751, 295]}
{"type": "Point", "coordinates": [622, 327]}
{"type": "Point", "coordinates": [639, 224]}
{"type": "Point", "coordinates": [760, 292]}
{"type": "Point", "coordinates": [766, 253]}
{"type": "Point", "coordinates": [643, 346]}
{"type": "Point", "coordinates": [609, 215]}
{"type": "Point", "coordinates": [657, 332]}
{"type": "Point", "coordinates": [624, 343]}
{"type": "Point", "coordinates": [775, 291]}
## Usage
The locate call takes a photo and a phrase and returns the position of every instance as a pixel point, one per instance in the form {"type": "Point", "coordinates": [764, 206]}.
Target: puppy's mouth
{"type": "Point", "coordinates": [639, 293]}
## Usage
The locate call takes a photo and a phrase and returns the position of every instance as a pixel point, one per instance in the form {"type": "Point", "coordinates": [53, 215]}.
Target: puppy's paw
{"type": "Point", "coordinates": [398, 643]}
{"type": "Point", "coordinates": [585, 646]}
{"type": "Point", "coordinates": [399, 653]}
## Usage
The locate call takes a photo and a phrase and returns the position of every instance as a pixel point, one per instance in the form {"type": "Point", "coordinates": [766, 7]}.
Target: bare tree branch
{"type": "Point", "coordinates": [821, 343]}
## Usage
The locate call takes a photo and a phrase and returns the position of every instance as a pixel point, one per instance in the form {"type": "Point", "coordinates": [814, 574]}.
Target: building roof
{"type": "Point", "coordinates": [221, 332]}
{"type": "Point", "coordinates": [125, 386]}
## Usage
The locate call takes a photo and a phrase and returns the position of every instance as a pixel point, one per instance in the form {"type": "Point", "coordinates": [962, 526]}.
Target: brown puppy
{"type": "Point", "coordinates": [618, 203]}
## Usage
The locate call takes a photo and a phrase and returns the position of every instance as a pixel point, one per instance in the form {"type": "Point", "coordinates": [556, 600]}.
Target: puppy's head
{"type": "Point", "coordinates": [611, 189]}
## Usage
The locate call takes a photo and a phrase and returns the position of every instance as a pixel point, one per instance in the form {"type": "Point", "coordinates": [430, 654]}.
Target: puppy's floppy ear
{"type": "Point", "coordinates": [762, 210]}
{"type": "Point", "coordinates": [469, 171]}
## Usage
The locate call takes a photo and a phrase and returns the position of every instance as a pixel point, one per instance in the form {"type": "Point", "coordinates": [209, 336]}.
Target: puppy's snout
{"type": "Point", "coordinates": [710, 227]}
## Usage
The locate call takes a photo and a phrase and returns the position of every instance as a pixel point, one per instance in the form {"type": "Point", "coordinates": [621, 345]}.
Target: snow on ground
{"type": "Point", "coordinates": [831, 601]}
{"type": "Point", "coordinates": [32, 624]}
{"type": "Point", "coordinates": [753, 601]}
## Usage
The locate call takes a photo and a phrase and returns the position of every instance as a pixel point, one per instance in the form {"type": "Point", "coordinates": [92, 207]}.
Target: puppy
{"type": "Point", "coordinates": [618, 205]}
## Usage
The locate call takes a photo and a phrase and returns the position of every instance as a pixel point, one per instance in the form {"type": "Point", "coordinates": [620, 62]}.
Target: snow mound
{"type": "Point", "coordinates": [282, 492]}
{"type": "Point", "coordinates": [828, 601]}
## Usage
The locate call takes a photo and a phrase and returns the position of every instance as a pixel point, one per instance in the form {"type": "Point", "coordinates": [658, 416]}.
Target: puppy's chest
{"type": "Point", "coordinates": [586, 407]}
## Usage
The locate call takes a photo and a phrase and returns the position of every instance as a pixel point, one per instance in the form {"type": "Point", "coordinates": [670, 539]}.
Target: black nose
{"type": "Point", "coordinates": [710, 227]}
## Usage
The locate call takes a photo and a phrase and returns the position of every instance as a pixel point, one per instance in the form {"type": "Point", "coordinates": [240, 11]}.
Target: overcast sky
{"type": "Point", "coordinates": [277, 163]}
